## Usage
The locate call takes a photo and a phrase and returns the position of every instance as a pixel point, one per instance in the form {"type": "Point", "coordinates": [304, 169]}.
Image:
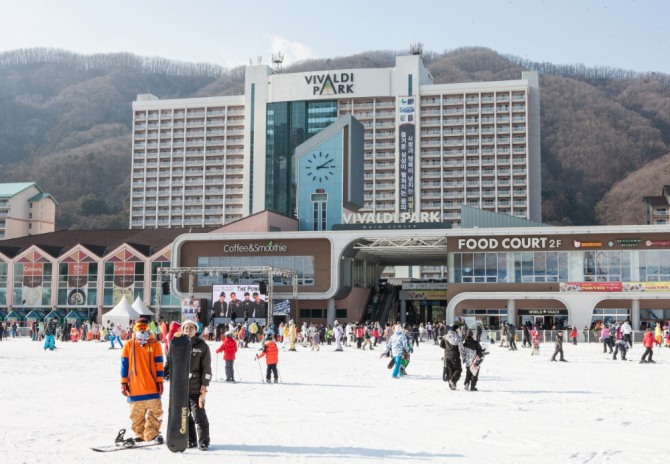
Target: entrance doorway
{"type": "Point", "coordinates": [547, 318]}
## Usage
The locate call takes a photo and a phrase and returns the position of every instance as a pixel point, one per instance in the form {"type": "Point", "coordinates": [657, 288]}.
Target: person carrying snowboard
{"type": "Point", "coordinates": [472, 357]}
{"type": "Point", "coordinates": [397, 346]}
{"type": "Point", "coordinates": [271, 354]}
{"type": "Point", "coordinates": [452, 343]}
{"type": "Point", "coordinates": [142, 382]}
{"type": "Point", "coordinates": [199, 378]}
{"type": "Point", "coordinates": [229, 348]}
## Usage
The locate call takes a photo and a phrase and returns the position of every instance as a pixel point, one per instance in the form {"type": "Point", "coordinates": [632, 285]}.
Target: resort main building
{"type": "Point", "coordinates": [426, 148]}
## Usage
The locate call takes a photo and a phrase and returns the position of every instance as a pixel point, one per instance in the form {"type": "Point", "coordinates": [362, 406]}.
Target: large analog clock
{"type": "Point", "coordinates": [320, 167]}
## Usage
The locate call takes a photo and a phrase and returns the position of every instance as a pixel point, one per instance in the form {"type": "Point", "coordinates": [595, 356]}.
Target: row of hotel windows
{"type": "Point", "coordinates": [554, 266]}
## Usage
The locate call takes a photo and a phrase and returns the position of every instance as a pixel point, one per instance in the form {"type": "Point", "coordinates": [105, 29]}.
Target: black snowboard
{"type": "Point", "coordinates": [180, 361]}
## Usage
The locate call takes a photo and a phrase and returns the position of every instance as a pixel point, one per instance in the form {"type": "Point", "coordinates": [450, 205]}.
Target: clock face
{"type": "Point", "coordinates": [320, 167]}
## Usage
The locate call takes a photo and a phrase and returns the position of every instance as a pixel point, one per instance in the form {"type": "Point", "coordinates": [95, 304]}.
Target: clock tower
{"type": "Point", "coordinates": [329, 174]}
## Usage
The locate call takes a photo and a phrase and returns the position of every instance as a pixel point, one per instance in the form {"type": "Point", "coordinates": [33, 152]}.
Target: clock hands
{"type": "Point", "coordinates": [324, 165]}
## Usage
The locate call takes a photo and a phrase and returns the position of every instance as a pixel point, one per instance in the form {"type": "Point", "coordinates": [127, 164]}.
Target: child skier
{"type": "Point", "coordinates": [271, 354]}
{"type": "Point", "coordinates": [229, 348]}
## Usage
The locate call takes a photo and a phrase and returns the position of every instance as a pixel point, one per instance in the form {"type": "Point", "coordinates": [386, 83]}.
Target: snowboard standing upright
{"type": "Point", "coordinates": [180, 362]}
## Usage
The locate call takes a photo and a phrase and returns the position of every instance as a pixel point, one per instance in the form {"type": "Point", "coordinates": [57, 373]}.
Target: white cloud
{"type": "Point", "coordinates": [293, 51]}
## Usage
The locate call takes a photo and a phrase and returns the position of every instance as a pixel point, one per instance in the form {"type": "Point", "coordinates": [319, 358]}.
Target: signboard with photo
{"type": "Point", "coordinates": [237, 302]}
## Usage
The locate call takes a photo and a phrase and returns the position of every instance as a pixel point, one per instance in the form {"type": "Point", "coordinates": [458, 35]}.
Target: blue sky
{"type": "Point", "coordinates": [627, 34]}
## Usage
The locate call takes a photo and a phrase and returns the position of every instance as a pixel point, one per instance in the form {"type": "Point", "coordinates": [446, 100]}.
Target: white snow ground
{"type": "Point", "coordinates": [344, 407]}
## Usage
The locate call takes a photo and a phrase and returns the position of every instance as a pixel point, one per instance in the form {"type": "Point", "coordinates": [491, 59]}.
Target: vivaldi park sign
{"type": "Point", "coordinates": [385, 218]}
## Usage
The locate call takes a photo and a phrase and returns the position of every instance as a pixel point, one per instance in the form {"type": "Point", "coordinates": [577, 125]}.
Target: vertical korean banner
{"type": "Point", "coordinates": [406, 145]}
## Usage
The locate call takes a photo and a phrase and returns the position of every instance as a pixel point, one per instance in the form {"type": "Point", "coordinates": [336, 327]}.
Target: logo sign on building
{"type": "Point", "coordinates": [406, 144]}
{"type": "Point", "coordinates": [507, 243]}
{"type": "Point", "coordinates": [253, 248]}
{"type": "Point", "coordinates": [331, 84]}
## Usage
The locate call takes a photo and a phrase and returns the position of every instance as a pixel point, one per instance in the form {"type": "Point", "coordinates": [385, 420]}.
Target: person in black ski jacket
{"type": "Point", "coordinates": [452, 344]}
{"type": "Point", "coordinates": [471, 351]}
{"type": "Point", "coordinates": [559, 346]}
{"type": "Point", "coordinates": [511, 335]}
{"type": "Point", "coordinates": [199, 378]}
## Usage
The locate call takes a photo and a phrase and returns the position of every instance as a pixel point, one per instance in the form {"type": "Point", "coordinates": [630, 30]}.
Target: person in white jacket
{"type": "Point", "coordinates": [397, 345]}
{"type": "Point", "coordinates": [338, 333]}
{"type": "Point", "coordinates": [627, 332]}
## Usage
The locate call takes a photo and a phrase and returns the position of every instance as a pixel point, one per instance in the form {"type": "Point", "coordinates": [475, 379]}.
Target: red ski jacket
{"type": "Point", "coordinates": [229, 348]}
{"type": "Point", "coordinates": [271, 352]}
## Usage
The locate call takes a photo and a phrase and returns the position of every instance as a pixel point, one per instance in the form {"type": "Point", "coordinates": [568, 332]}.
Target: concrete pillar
{"type": "Point", "coordinates": [403, 312]}
{"type": "Point", "coordinates": [635, 314]}
{"type": "Point", "coordinates": [330, 312]}
{"type": "Point", "coordinates": [511, 312]}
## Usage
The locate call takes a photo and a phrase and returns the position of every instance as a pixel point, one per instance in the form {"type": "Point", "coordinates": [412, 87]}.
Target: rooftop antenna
{"type": "Point", "coordinates": [259, 59]}
{"type": "Point", "coordinates": [277, 60]}
{"type": "Point", "coordinates": [416, 48]}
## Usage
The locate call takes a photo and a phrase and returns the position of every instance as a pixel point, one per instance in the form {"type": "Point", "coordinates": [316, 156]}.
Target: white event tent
{"type": "Point", "coordinates": [121, 315]}
{"type": "Point", "coordinates": [141, 308]}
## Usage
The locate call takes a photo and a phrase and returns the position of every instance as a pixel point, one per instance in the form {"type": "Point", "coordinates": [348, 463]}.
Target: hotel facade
{"type": "Point", "coordinates": [427, 148]}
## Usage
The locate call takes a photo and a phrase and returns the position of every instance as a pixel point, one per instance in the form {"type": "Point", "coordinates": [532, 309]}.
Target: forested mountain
{"type": "Point", "coordinates": [65, 122]}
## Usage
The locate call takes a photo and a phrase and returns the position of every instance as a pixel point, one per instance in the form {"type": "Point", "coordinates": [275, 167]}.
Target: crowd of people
{"type": "Point", "coordinates": [145, 347]}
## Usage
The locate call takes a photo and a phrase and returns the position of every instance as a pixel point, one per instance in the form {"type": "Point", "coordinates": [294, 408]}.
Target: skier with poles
{"type": "Point", "coordinates": [271, 354]}
{"type": "Point", "coordinates": [229, 348]}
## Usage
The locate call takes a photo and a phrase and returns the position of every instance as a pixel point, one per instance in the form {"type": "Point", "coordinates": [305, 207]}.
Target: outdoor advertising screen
{"type": "Point", "coordinates": [237, 303]}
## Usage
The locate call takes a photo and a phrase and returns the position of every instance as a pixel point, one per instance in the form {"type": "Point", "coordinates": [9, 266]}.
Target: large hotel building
{"type": "Point", "coordinates": [427, 148]}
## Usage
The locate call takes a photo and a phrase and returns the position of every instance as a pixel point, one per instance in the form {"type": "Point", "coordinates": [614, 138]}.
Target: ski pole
{"type": "Point", "coordinates": [279, 375]}
{"type": "Point", "coordinates": [237, 371]}
{"type": "Point", "coordinates": [260, 369]}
